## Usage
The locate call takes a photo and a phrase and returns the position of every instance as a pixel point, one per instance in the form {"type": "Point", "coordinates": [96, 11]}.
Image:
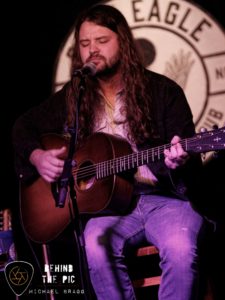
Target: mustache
{"type": "Point", "coordinates": [95, 56]}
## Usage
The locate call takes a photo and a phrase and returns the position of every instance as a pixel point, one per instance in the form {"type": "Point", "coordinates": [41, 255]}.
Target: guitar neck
{"type": "Point", "coordinates": [132, 161]}
{"type": "Point", "coordinates": [202, 142]}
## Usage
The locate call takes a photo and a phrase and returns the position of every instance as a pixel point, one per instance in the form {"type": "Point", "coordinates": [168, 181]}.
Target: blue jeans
{"type": "Point", "coordinates": [170, 224]}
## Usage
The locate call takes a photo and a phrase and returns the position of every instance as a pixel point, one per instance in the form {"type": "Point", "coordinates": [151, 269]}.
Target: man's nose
{"type": "Point", "coordinates": [93, 48]}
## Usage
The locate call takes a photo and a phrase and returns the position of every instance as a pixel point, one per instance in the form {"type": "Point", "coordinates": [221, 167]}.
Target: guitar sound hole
{"type": "Point", "coordinates": [85, 176]}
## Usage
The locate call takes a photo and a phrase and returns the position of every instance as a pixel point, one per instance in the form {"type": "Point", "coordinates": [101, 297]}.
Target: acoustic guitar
{"type": "Point", "coordinates": [103, 180]}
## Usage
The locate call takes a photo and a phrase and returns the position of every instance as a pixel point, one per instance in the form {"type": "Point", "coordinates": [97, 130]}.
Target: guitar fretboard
{"type": "Point", "coordinates": [128, 162]}
{"type": "Point", "coordinates": [203, 142]}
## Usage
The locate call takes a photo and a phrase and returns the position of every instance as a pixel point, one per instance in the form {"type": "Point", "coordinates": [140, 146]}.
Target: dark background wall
{"type": "Point", "coordinates": [30, 42]}
{"type": "Point", "coordinates": [33, 34]}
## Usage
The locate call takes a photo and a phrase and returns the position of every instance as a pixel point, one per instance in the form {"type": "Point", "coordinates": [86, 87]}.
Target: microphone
{"type": "Point", "coordinates": [87, 69]}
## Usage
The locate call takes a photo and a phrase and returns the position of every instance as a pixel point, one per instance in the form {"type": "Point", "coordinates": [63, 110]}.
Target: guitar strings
{"type": "Point", "coordinates": [114, 166]}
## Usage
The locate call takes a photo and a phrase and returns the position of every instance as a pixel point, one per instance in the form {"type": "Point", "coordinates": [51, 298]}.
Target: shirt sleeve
{"type": "Point", "coordinates": [47, 117]}
{"type": "Point", "coordinates": [173, 116]}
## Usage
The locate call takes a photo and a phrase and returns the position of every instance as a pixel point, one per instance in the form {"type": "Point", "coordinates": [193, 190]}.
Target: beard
{"type": "Point", "coordinates": [108, 68]}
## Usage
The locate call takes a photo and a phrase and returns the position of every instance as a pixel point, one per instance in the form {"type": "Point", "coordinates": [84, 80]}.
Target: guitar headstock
{"type": "Point", "coordinates": [213, 140]}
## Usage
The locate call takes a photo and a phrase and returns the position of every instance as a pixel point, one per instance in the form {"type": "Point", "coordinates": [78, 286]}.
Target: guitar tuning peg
{"type": "Point", "coordinates": [203, 129]}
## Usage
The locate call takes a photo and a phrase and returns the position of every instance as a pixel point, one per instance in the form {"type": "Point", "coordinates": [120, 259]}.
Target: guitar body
{"type": "Point", "coordinates": [43, 221]}
{"type": "Point", "coordinates": [102, 181]}
{"type": "Point", "coordinates": [111, 193]}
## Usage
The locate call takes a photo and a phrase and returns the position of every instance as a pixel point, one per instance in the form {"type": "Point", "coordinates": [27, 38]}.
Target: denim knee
{"type": "Point", "coordinates": [101, 243]}
{"type": "Point", "coordinates": [180, 251]}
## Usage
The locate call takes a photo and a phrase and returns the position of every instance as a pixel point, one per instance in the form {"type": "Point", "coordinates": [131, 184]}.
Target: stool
{"type": "Point", "coordinates": [147, 281]}
{"type": "Point", "coordinates": [151, 281]}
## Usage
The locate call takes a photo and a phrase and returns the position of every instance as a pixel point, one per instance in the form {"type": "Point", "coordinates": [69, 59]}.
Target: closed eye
{"type": "Point", "coordinates": [84, 43]}
{"type": "Point", "coordinates": [103, 40]}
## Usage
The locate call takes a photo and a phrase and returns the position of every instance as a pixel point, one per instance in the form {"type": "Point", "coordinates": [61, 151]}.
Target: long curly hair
{"type": "Point", "coordinates": [135, 82]}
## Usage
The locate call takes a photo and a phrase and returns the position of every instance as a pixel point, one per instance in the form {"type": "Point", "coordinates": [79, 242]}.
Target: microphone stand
{"type": "Point", "coordinates": [68, 180]}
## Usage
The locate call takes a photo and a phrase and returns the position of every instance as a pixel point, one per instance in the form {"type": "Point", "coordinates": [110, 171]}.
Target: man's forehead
{"type": "Point", "coordinates": [92, 28]}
